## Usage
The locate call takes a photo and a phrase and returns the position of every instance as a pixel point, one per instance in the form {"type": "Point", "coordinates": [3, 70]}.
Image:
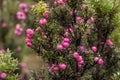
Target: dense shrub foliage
{"type": "Point", "coordinates": [74, 38]}
{"type": "Point", "coordinates": [77, 39]}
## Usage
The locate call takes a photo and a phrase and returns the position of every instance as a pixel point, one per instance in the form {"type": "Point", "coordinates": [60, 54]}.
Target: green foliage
{"type": "Point", "coordinates": [39, 8]}
{"type": "Point", "coordinates": [86, 33]}
{"type": "Point", "coordinates": [8, 65]}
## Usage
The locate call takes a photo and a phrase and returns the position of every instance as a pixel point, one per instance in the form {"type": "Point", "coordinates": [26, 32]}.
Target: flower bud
{"type": "Point", "coordinates": [94, 49]}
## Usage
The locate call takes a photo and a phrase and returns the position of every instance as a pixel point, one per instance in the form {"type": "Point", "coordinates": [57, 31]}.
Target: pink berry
{"type": "Point", "coordinates": [42, 21]}
{"type": "Point", "coordinates": [62, 66]}
{"type": "Point", "coordinates": [65, 44]}
{"type": "Point", "coordinates": [3, 75]}
{"type": "Point", "coordinates": [59, 47]}
{"type": "Point", "coordinates": [94, 49]}
{"type": "Point", "coordinates": [96, 59]}
{"type": "Point", "coordinates": [75, 55]}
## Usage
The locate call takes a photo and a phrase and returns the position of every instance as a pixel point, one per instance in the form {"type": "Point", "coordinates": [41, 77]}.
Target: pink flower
{"type": "Point", "coordinates": [81, 62]}
{"type": "Point", "coordinates": [62, 66]}
{"type": "Point", "coordinates": [71, 13]}
{"type": "Point", "coordinates": [62, 1]}
{"type": "Point", "coordinates": [46, 14]}
{"type": "Point", "coordinates": [55, 69]}
{"type": "Point", "coordinates": [75, 55]}
{"type": "Point", "coordinates": [26, 10]}
{"type": "Point", "coordinates": [81, 48]}
{"type": "Point", "coordinates": [22, 64]}
{"type": "Point", "coordinates": [78, 19]}
{"type": "Point", "coordinates": [4, 25]}
{"type": "Point", "coordinates": [55, 3]}
{"type": "Point", "coordinates": [83, 6]}
{"type": "Point", "coordinates": [3, 75]}
{"type": "Point", "coordinates": [65, 44]}
{"type": "Point", "coordinates": [42, 21]}
{"type": "Point", "coordinates": [79, 66]}
{"type": "Point", "coordinates": [27, 40]}
{"type": "Point", "coordinates": [79, 59]}
{"type": "Point", "coordinates": [66, 33]}
{"type": "Point", "coordinates": [29, 33]}
{"type": "Point", "coordinates": [59, 47]}
{"type": "Point", "coordinates": [92, 20]}
{"type": "Point", "coordinates": [96, 59]}
{"type": "Point", "coordinates": [29, 44]}
{"type": "Point", "coordinates": [100, 62]}
{"type": "Point", "coordinates": [2, 51]}
{"type": "Point", "coordinates": [24, 7]}
{"type": "Point", "coordinates": [18, 30]}
{"type": "Point", "coordinates": [38, 29]}
{"type": "Point", "coordinates": [94, 49]}
{"type": "Point", "coordinates": [109, 42]}
{"type": "Point", "coordinates": [71, 30]}
{"type": "Point", "coordinates": [21, 15]}
{"type": "Point", "coordinates": [66, 40]}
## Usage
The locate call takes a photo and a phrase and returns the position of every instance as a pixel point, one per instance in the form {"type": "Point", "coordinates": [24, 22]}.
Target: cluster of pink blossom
{"type": "Point", "coordinates": [79, 59]}
{"type": "Point", "coordinates": [18, 30]}
{"type": "Point", "coordinates": [21, 15]}
{"type": "Point", "coordinates": [43, 21]}
{"type": "Point", "coordinates": [29, 35]}
{"type": "Point", "coordinates": [65, 44]}
{"type": "Point", "coordinates": [3, 75]}
{"type": "Point", "coordinates": [60, 66]}
{"type": "Point", "coordinates": [99, 61]}
{"type": "Point", "coordinates": [24, 7]}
